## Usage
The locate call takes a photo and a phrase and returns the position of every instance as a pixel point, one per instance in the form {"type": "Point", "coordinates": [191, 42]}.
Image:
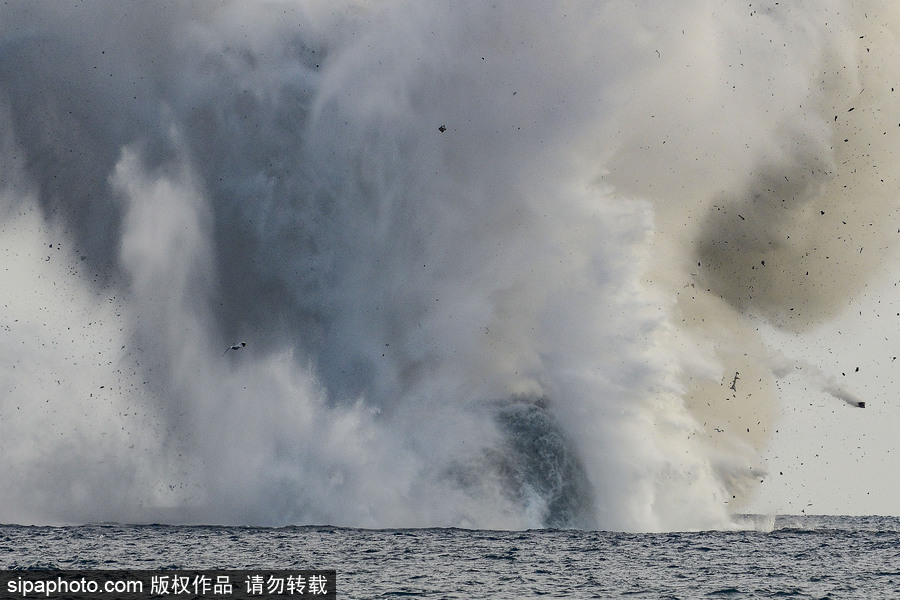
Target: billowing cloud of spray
{"type": "Point", "coordinates": [495, 266]}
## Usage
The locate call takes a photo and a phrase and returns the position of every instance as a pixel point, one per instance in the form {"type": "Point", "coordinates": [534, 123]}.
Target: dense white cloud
{"type": "Point", "coordinates": [496, 265]}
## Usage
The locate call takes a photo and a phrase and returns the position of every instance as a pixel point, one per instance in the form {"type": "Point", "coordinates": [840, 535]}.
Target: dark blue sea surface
{"type": "Point", "coordinates": [793, 557]}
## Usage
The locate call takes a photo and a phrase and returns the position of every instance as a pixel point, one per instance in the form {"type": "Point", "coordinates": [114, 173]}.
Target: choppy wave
{"type": "Point", "coordinates": [804, 557]}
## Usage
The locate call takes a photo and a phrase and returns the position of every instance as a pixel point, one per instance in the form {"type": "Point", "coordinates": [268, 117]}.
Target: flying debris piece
{"type": "Point", "coordinates": [734, 381]}
{"type": "Point", "coordinates": [442, 129]}
{"type": "Point", "coordinates": [234, 347]}
{"type": "Point", "coordinates": [783, 366]}
{"type": "Point", "coordinates": [842, 393]}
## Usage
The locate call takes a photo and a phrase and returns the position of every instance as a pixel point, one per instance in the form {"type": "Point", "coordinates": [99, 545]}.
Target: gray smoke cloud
{"type": "Point", "coordinates": [495, 265]}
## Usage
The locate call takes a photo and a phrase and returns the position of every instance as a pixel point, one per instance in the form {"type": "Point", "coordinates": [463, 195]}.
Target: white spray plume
{"type": "Point", "coordinates": [494, 263]}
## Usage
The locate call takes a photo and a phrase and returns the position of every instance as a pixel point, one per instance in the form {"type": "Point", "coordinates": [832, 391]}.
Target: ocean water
{"type": "Point", "coordinates": [505, 265]}
{"type": "Point", "coordinates": [792, 557]}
